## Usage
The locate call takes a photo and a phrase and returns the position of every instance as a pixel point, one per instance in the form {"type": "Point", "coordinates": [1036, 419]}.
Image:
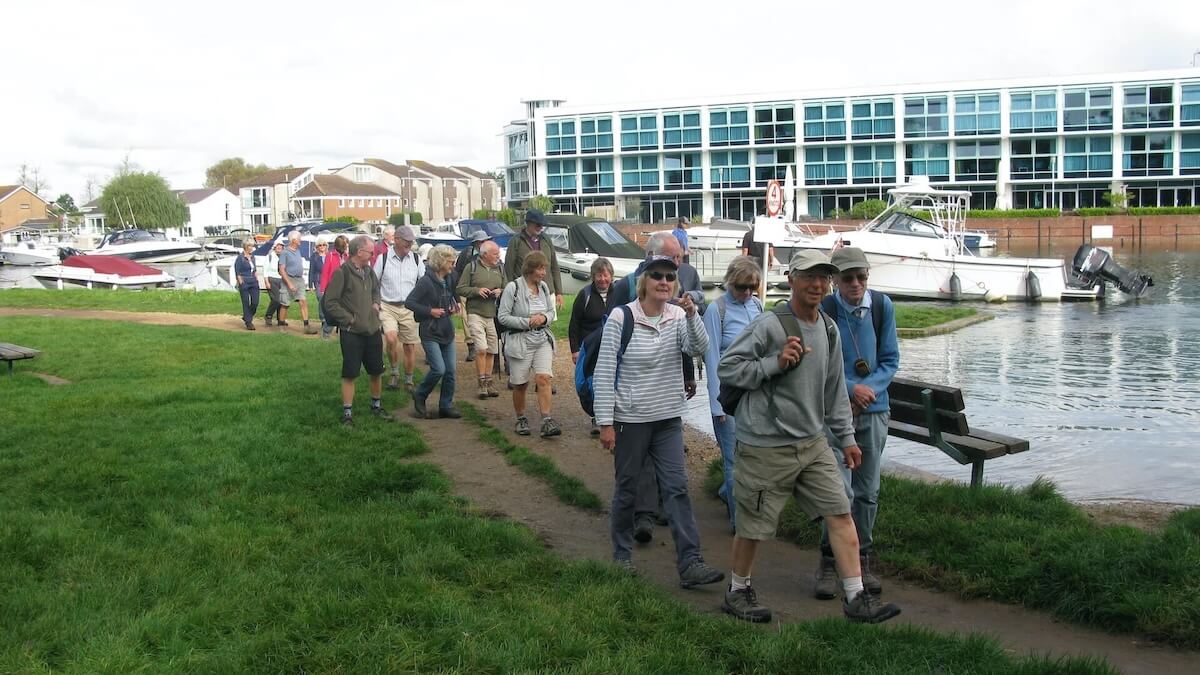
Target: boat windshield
{"type": "Point", "coordinates": [899, 222]}
{"type": "Point", "coordinates": [559, 238]}
{"type": "Point", "coordinates": [133, 236]}
{"type": "Point", "coordinates": [607, 232]}
{"type": "Point", "coordinates": [493, 228]}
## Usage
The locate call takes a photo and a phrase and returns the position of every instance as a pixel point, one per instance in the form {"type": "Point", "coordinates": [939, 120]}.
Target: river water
{"type": "Point", "coordinates": [1107, 393]}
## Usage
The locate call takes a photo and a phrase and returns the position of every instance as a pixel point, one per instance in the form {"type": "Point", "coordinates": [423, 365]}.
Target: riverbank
{"type": "Point", "coordinates": [178, 513]}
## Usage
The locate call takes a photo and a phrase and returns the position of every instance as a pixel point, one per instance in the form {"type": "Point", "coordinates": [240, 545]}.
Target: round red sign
{"type": "Point", "coordinates": [774, 198]}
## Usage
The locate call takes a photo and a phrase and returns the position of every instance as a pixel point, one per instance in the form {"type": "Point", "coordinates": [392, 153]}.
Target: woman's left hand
{"type": "Point", "coordinates": [608, 438]}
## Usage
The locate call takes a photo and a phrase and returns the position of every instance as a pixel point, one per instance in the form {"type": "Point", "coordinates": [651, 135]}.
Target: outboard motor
{"type": "Point", "coordinates": [1094, 265]}
{"type": "Point", "coordinates": [65, 252]}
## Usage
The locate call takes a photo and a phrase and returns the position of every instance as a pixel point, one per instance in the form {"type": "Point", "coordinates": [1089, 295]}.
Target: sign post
{"type": "Point", "coordinates": [766, 236]}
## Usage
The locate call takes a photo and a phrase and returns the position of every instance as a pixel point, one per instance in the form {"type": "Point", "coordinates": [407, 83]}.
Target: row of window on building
{"type": "Point", "coordinates": [1142, 155]}
{"type": "Point", "coordinates": [974, 114]}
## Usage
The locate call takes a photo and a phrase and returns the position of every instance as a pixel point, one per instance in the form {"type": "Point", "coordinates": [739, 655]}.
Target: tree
{"type": "Point", "coordinates": [231, 171]}
{"type": "Point", "coordinates": [144, 200]}
{"type": "Point", "coordinates": [510, 218]}
{"type": "Point", "coordinates": [396, 220]}
{"type": "Point", "coordinates": [867, 209]}
{"type": "Point", "coordinates": [89, 189]}
{"type": "Point", "coordinates": [32, 178]}
{"type": "Point", "coordinates": [67, 203]}
{"type": "Point", "coordinates": [1117, 200]}
{"type": "Point", "coordinates": [542, 202]}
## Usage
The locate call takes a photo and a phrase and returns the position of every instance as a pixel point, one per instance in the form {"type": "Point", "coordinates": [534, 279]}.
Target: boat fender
{"type": "Point", "coordinates": [1033, 285]}
{"type": "Point", "coordinates": [955, 287]}
{"type": "Point", "coordinates": [994, 297]}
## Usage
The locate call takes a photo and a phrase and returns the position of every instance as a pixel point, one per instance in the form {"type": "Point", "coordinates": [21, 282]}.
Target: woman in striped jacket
{"type": "Point", "coordinates": [639, 404]}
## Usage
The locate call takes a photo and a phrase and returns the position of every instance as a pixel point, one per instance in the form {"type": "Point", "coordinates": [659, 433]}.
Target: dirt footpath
{"type": "Point", "coordinates": [783, 571]}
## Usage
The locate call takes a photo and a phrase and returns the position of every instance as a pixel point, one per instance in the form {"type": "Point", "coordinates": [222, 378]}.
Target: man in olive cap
{"type": "Point", "coordinates": [530, 239]}
{"type": "Point", "coordinates": [468, 254]}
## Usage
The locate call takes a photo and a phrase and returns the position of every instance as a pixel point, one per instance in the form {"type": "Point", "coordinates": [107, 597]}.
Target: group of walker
{"type": "Point", "coordinates": [810, 421]}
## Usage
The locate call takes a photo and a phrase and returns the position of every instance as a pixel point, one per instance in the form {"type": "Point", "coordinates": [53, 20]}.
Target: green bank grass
{"type": "Point", "coordinates": [189, 504]}
{"type": "Point", "coordinates": [1032, 547]}
{"type": "Point", "coordinates": [569, 489]}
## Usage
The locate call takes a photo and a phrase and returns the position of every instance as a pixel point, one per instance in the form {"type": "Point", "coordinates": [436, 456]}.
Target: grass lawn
{"type": "Point", "coordinates": [189, 504]}
{"type": "Point", "coordinates": [1032, 547]}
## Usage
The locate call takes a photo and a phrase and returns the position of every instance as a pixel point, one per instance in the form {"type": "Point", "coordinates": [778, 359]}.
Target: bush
{"type": "Point", "coordinates": [867, 209]}
{"type": "Point", "coordinates": [396, 219]}
{"type": "Point", "coordinates": [415, 218]}
{"type": "Point", "coordinates": [344, 219]}
{"type": "Point", "coordinates": [1140, 211]}
{"type": "Point", "coordinates": [1013, 213]}
{"type": "Point", "coordinates": [510, 218]}
{"type": "Point", "coordinates": [483, 214]}
{"type": "Point", "coordinates": [542, 202]}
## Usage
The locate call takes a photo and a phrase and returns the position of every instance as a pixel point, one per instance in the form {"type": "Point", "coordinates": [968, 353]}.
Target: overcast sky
{"type": "Point", "coordinates": [180, 86]}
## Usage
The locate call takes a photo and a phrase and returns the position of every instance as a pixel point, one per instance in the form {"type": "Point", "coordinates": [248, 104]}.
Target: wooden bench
{"type": "Point", "coordinates": [11, 353]}
{"type": "Point", "coordinates": [932, 414]}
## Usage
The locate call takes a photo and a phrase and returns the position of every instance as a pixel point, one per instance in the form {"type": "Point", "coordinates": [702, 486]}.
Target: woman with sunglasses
{"type": "Point", "coordinates": [639, 406]}
{"type": "Point", "coordinates": [316, 265]}
{"type": "Point", "coordinates": [732, 313]}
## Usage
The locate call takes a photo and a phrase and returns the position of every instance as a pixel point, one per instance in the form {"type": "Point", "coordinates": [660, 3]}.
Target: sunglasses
{"type": "Point", "coordinates": [849, 278]}
{"type": "Point", "coordinates": [745, 287]}
{"type": "Point", "coordinates": [659, 276]}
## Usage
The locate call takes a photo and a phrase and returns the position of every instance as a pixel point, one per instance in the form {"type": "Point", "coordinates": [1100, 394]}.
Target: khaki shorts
{"type": "Point", "coordinates": [538, 361]}
{"type": "Point", "coordinates": [764, 478]}
{"type": "Point", "coordinates": [399, 319]}
{"type": "Point", "coordinates": [286, 297]}
{"type": "Point", "coordinates": [482, 331]}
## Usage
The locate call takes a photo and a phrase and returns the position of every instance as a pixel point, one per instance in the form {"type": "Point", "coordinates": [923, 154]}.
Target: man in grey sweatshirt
{"type": "Point", "coordinates": [789, 361]}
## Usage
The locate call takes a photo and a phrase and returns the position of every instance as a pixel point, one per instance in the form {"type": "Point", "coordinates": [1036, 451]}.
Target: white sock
{"type": "Point", "coordinates": [852, 586]}
{"type": "Point", "coordinates": [738, 583]}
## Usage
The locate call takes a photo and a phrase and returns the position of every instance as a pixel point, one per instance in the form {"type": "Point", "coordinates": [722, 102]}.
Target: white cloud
{"type": "Point", "coordinates": [181, 86]}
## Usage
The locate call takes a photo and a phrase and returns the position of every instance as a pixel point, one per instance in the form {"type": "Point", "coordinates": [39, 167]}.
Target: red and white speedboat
{"type": "Point", "coordinates": [102, 271]}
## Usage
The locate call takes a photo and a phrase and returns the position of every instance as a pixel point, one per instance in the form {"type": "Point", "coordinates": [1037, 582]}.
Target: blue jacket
{"type": "Point", "coordinates": [244, 269]}
{"type": "Point", "coordinates": [430, 293]}
{"type": "Point", "coordinates": [316, 263]}
{"type": "Point", "coordinates": [860, 333]}
{"type": "Point", "coordinates": [737, 317]}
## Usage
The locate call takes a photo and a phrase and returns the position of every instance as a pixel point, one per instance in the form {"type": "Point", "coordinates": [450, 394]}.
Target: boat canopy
{"type": "Point", "coordinates": [131, 237]}
{"type": "Point", "coordinates": [580, 234]}
{"type": "Point", "coordinates": [110, 264]}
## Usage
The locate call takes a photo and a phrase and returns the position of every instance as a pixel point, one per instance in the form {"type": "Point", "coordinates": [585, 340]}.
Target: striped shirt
{"type": "Point", "coordinates": [649, 384]}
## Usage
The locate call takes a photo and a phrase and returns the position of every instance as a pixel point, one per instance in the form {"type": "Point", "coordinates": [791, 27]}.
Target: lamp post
{"type": "Point", "coordinates": [879, 173]}
{"type": "Point", "coordinates": [722, 191]}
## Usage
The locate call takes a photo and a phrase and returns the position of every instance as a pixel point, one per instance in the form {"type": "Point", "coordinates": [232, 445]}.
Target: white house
{"type": "Point", "coordinates": [211, 211]}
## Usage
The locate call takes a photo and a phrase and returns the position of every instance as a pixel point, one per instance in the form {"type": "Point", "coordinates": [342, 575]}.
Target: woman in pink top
{"type": "Point", "coordinates": [333, 260]}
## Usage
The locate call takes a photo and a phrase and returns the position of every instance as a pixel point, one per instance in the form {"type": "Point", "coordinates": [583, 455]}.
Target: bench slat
{"type": "Point", "coordinates": [11, 352]}
{"type": "Point", "coordinates": [914, 413]}
{"type": "Point", "coordinates": [1014, 445]}
{"type": "Point", "coordinates": [909, 391]}
{"type": "Point", "coordinates": [971, 446]}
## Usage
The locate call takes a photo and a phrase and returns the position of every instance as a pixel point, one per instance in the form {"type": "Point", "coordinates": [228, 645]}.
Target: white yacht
{"type": "Point", "coordinates": [146, 246]}
{"type": "Point", "coordinates": [29, 253]}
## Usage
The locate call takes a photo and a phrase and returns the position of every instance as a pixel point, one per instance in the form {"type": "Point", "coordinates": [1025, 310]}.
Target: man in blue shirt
{"type": "Point", "coordinates": [680, 233]}
{"type": "Point", "coordinates": [871, 356]}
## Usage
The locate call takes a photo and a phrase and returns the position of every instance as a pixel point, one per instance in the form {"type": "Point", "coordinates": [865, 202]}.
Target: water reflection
{"type": "Point", "coordinates": [1108, 394]}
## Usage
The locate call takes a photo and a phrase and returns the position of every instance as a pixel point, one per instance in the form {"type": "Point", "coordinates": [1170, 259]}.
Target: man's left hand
{"type": "Point", "coordinates": [689, 388]}
{"type": "Point", "coordinates": [853, 457]}
{"type": "Point", "coordinates": [862, 396]}
{"type": "Point", "coordinates": [558, 301]}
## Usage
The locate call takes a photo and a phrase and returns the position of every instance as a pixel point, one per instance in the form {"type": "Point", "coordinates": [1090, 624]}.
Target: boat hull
{"type": "Point", "coordinates": [57, 277]}
{"type": "Point", "coordinates": [29, 257]}
{"type": "Point", "coordinates": [987, 279]}
{"type": "Point", "coordinates": [575, 270]}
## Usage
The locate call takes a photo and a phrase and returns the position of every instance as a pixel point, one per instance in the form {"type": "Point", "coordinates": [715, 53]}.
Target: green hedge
{"type": "Point", "coordinates": [1141, 211]}
{"type": "Point", "coordinates": [1013, 213]}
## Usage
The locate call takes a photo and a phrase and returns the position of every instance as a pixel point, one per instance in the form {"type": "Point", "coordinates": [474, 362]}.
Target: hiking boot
{"type": "Point", "coordinates": [492, 391]}
{"type": "Point", "coordinates": [595, 428]}
{"type": "Point", "coordinates": [700, 573]}
{"type": "Point", "coordinates": [483, 388]}
{"type": "Point", "coordinates": [870, 581]}
{"type": "Point", "coordinates": [826, 581]}
{"type": "Point", "coordinates": [743, 604]}
{"type": "Point", "coordinates": [523, 426]}
{"type": "Point", "coordinates": [282, 324]}
{"type": "Point", "coordinates": [419, 410]}
{"type": "Point", "coordinates": [550, 428]}
{"type": "Point", "coordinates": [866, 608]}
{"type": "Point", "coordinates": [347, 419]}
{"type": "Point", "coordinates": [643, 529]}
{"type": "Point", "coordinates": [310, 329]}
{"type": "Point", "coordinates": [249, 326]}
{"type": "Point", "coordinates": [410, 387]}
{"type": "Point", "coordinates": [625, 565]}
{"type": "Point", "coordinates": [471, 351]}
{"type": "Point", "coordinates": [382, 414]}
{"type": "Point", "coordinates": [449, 413]}
{"type": "Point", "coordinates": [393, 381]}
{"type": "Point", "coordinates": [270, 321]}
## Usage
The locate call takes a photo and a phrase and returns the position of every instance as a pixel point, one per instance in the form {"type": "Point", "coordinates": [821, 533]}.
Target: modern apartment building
{"type": "Point", "coordinates": [1027, 143]}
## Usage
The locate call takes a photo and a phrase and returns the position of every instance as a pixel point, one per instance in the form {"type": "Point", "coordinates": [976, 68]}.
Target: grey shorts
{"type": "Point", "coordinates": [286, 297]}
{"type": "Point", "coordinates": [764, 478]}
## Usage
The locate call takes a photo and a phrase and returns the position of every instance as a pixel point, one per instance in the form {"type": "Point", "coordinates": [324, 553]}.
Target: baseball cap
{"type": "Point", "coordinates": [405, 232]}
{"type": "Point", "coordinates": [661, 261]}
{"type": "Point", "coordinates": [807, 259]}
{"type": "Point", "coordinates": [849, 258]}
{"type": "Point", "coordinates": [536, 217]}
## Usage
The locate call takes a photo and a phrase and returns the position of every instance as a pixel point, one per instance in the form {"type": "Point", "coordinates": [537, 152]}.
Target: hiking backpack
{"type": "Point", "coordinates": [730, 396]}
{"type": "Point", "coordinates": [585, 365]}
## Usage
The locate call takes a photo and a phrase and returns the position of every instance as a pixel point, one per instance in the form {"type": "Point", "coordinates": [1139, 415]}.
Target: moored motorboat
{"type": "Point", "coordinates": [29, 253]}
{"type": "Point", "coordinates": [102, 271]}
{"type": "Point", "coordinates": [579, 240]}
{"type": "Point", "coordinates": [147, 246]}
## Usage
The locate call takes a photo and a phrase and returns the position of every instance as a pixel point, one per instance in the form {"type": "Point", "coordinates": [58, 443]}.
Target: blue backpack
{"type": "Point", "coordinates": [585, 365]}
